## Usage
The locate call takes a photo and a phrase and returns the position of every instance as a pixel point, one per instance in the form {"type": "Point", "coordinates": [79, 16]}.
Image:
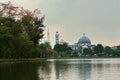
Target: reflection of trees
{"type": "Point", "coordinates": [77, 69]}
{"type": "Point", "coordinates": [52, 70]}
{"type": "Point", "coordinates": [61, 67]}
{"type": "Point", "coordinates": [85, 69]}
{"type": "Point", "coordinates": [67, 69]}
{"type": "Point", "coordinates": [101, 69]}
{"type": "Point", "coordinates": [44, 70]}
{"type": "Point", "coordinates": [18, 71]}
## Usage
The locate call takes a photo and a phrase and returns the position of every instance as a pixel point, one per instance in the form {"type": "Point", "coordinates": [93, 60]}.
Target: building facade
{"type": "Point", "coordinates": [83, 42]}
{"type": "Point", "coordinates": [57, 37]}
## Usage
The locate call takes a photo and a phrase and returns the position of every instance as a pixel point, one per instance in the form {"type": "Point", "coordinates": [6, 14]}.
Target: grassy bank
{"type": "Point", "coordinates": [85, 57]}
{"type": "Point", "coordinates": [43, 59]}
{"type": "Point", "coordinates": [98, 57]}
{"type": "Point", "coordinates": [23, 60]}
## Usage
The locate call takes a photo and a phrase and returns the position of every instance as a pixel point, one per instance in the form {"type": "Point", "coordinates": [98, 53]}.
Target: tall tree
{"type": "Point", "coordinates": [20, 31]}
{"type": "Point", "coordinates": [30, 21]}
{"type": "Point", "coordinates": [33, 25]}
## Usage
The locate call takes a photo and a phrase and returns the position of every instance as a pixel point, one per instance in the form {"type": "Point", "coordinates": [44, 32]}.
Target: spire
{"type": "Point", "coordinates": [83, 34]}
{"type": "Point", "coordinates": [48, 36]}
{"type": "Point", "coordinates": [57, 37]}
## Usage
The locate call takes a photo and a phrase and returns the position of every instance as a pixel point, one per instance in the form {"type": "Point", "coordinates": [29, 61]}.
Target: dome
{"type": "Point", "coordinates": [84, 39]}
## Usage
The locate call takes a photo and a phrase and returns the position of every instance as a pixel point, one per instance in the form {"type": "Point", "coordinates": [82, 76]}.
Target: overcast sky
{"type": "Point", "coordinates": [99, 19]}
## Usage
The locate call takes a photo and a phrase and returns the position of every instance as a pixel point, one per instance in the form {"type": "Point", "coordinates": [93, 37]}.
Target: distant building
{"type": "Point", "coordinates": [83, 42]}
{"type": "Point", "coordinates": [114, 47]}
{"type": "Point", "coordinates": [57, 37]}
{"type": "Point", "coordinates": [48, 36]}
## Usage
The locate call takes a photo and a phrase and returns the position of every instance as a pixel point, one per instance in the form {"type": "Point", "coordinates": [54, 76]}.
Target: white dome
{"type": "Point", "coordinates": [84, 39]}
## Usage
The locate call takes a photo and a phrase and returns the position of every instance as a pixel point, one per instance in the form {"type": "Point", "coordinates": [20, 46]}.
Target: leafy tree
{"type": "Point", "coordinates": [98, 49]}
{"type": "Point", "coordinates": [29, 21]}
{"type": "Point", "coordinates": [108, 51]}
{"type": "Point", "coordinates": [61, 47]}
{"type": "Point", "coordinates": [116, 52]}
{"type": "Point", "coordinates": [43, 50]}
{"type": "Point", "coordinates": [33, 26]}
{"type": "Point", "coordinates": [63, 50]}
{"type": "Point", "coordinates": [87, 51]}
{"type": "Point", "coordinates": [20, 31]}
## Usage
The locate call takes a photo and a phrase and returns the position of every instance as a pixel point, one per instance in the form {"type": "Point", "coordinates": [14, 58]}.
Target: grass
{"type": "Point", "coordinates": [23, 60]}
{"type": "Point", "coordinates": [43, 59]}
{"type": "Point", "coordinates": [85, 57]}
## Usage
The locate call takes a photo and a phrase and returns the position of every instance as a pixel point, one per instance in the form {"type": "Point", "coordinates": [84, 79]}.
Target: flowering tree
{"type": "Point", "coordinates": [20, 31]}
{"type": "Point", "coordinates": [31, 22]}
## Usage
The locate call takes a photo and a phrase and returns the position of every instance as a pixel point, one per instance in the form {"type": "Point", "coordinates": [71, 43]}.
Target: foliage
{"type": "Point", "coordinates": [63, 50]}
{"type": "Point", "coordinates": [87, 51]}
{"type": "Point", "coordinates": [33, 27]}
{"type": "Point", "coordinates": [108, 51]}
{"type": "Point", "coordinates": [98, 49]}
{"type": "Point", "coordinates": [61, 47]}
{"type": "Point", "coordinates": [43, 50]}
{"type": "Point", "coordinates": [20, 31]}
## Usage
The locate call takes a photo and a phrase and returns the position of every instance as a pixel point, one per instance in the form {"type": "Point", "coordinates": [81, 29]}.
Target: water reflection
{"type": "Point", "coordinates": [18, 71]}
{"type": "Point", "coordinates": [91, 69]}
{"type": "Point", "coordinates": [73, 69]}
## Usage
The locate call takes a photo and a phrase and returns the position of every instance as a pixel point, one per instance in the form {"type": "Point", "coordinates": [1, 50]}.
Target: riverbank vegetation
{"type": "Point", "coordinates": [98, 51]}
{"type": "Point", "coordinates": [22, 60]}
{"type": "Point", "coordinates": [20, 31]}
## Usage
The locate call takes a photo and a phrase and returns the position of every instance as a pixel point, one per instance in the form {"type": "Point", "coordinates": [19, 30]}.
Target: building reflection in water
{"type": "Point", "coordinates": [79, 70]}
{"type": "Point", "coordinates": [64, 70]}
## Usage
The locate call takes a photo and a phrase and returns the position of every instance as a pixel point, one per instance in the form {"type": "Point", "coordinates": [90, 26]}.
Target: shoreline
{"type": "Point", "coordinates": [44, 59]}
{"type": "Point", "coordinates": [22, 60]}
{"type": "Point", "coordinates": [84, 57]}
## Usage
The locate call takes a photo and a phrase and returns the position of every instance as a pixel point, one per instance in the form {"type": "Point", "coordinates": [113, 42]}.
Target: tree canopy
{"type": "Point", "coordinates": [61, 47]}
{"type": "Point", "coordinates": [20, 31]}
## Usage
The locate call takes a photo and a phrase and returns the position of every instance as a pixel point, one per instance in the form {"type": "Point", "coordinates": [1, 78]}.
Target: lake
{"type": "Point", "coordinates": [62, 69]}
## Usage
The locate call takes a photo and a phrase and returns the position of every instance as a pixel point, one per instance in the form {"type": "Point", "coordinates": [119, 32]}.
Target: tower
{"type": "Point", "coordinates": [48, 36]}
{"type": "Point", "coordinates": [57, 37]}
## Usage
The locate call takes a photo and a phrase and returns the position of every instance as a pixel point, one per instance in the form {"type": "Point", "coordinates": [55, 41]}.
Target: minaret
{"type": "Point", "coordinates": [83, 34]}
{"type": "Point", "coordinates": [57, 38]}
{"type": "Point", "coordinates": [48, 36]}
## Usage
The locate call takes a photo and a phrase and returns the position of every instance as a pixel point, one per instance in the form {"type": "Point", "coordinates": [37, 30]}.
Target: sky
{"type": "Point", "coordinates": [98, 19]}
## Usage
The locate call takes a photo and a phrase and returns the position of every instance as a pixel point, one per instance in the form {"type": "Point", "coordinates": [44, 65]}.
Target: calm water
{"type": "Point", "coordinates": [71, 69]}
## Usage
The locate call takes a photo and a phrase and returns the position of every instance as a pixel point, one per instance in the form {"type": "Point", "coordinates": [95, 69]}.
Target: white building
{"type": "Point", "coordinates": [83, 42]}
{"type": "Point", "coordinates": [57, 37]}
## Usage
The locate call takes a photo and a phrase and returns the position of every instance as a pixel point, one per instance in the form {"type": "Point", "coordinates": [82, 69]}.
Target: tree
{"type": "Point", "coordinates": [33, 26]}
{"type": "Point", "coordinates": [20, 31]}
{"type": "Point", "coordinates": [62, 47]}
{"type": "Point", "coordinates": [108, 51]}
{"type": "Point", "coordinates": [63, 50]}
{"type": "Point", "coordinates": [98, 49]}
{"type": "Point", "coordinates": [43, 50]}
{"type": "Point", "coordinates": [117, 51]}
{"type": "Point", "coordinates": [87, 51]}
{"type": "Point", "coordinates": [29, 21]}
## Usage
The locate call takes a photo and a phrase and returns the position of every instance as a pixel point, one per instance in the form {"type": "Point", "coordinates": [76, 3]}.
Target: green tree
{"type": "Point", "coordinates": [44, 50]}
{"type": "Point", "coordinates": [117, 51]}
{"type": "Point", "coordinates": [20, 31]}
{"type": "Point", "coordinates": [87, 52]}
{"type": "Point", "coordinates": [28, 21]}
{"type": "Point", "coordinates": [63, 50]}
{"type": "Point", "coordinates": [33, 26]}
{"type": "Point", "coordinates": [61, 47]}
{"type": "Point", "coordinates": [98, 49]}
{"type": "Point", "coordinates": [108, 51]}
